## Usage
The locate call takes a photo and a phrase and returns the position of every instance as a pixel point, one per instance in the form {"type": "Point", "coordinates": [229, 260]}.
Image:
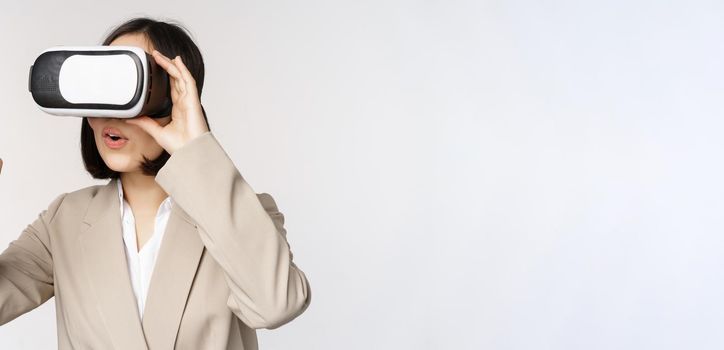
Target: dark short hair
{"type": "Point", "coordinates": [169, 38]}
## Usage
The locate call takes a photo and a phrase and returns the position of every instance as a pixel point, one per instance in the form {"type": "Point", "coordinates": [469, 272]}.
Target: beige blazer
{"type": "Point", "coordinates": [224, 268]}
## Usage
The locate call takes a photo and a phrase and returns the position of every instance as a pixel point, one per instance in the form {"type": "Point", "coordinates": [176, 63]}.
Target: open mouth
{"type": "Point", "coordinates": [114, 134]}
{"type": "Point", "coordinates": [113, 138]}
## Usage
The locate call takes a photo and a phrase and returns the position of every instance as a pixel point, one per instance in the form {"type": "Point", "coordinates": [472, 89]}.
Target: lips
{"type": "Point", "coordinates": [113, 138]}
{"type": "Point", "coordinates": [113, 133]}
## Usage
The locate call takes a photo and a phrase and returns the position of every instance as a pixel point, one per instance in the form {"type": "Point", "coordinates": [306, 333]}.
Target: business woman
{"type": "Point", "coordinates": [176, 251]}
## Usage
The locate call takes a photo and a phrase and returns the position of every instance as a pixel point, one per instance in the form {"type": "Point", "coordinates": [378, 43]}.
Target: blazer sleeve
{"type": "Point", "coordinates": [26, 267]}
{"type": "Point", "coordinates": [243, 231]}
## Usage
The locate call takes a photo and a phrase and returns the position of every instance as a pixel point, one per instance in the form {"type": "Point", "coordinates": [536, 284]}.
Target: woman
{"type": "Point", "coordinates": [176, 250]}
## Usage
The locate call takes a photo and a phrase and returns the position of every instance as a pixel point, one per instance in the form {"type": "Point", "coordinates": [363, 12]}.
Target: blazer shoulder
{"type": "Point", "coordinates": [78, 201]}
{"type": "Point", "coordinates": [68, 207]}
{"type": "Point", "coordinates": [83, 195]}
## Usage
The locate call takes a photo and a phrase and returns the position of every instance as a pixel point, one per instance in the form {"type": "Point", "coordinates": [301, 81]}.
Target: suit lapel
{"type": "Point", "coordinates": [106, 266]}
{"type": "Point", "coordinates": [176, 265]}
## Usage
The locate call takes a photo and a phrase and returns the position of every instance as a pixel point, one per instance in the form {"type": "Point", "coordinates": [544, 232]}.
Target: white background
{"type": "Point", "coordinates": [454, 174]}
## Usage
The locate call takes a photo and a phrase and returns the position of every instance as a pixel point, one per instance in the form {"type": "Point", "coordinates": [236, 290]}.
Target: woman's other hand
{"type": "Point", "coordinates": [187, 118]}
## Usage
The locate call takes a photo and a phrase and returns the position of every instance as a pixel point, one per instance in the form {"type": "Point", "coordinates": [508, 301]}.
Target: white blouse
{"type": "Point", "coordinates": [141, 263]}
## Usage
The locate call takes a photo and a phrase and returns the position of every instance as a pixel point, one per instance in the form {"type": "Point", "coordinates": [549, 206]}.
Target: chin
{"type": "Point", "coordinates": [121, 163]}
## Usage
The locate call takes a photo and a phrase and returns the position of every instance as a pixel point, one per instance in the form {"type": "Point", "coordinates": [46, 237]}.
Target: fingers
{"type": "Point", "coordinates": [176, 68]}
{"type": "Point", "coordinates": [167, 64]}
{"type": "Point", "coordinates": [185, 71]}
{"type": "Point", "coordinates": [147, 124]}
{"type": "Point", "coordinates": [177, 79]}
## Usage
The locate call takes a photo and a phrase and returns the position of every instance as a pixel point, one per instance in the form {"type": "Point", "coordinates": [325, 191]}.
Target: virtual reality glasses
{"type": "Point", "coordinates": [99, 81]}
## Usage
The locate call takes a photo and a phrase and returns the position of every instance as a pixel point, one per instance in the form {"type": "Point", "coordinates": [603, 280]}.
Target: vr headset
{"type": "Point", "coordinates": [99, 81]}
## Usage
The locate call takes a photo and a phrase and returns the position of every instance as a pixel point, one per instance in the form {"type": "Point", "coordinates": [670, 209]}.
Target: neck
{"type": "Point", "coordinates": [142, 191]}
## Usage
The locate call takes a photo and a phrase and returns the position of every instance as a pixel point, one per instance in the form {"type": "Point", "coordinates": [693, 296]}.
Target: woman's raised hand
{"type": "Point", "coordinates": [187, 118]}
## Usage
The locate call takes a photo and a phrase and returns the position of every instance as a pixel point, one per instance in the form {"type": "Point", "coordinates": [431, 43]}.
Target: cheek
{"type": "Point", "coordinates": [94, 122]}
{"type": "Point", "coordinates": [146, 145]}
{"type": "Point", "coordinates": [130, 157]}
